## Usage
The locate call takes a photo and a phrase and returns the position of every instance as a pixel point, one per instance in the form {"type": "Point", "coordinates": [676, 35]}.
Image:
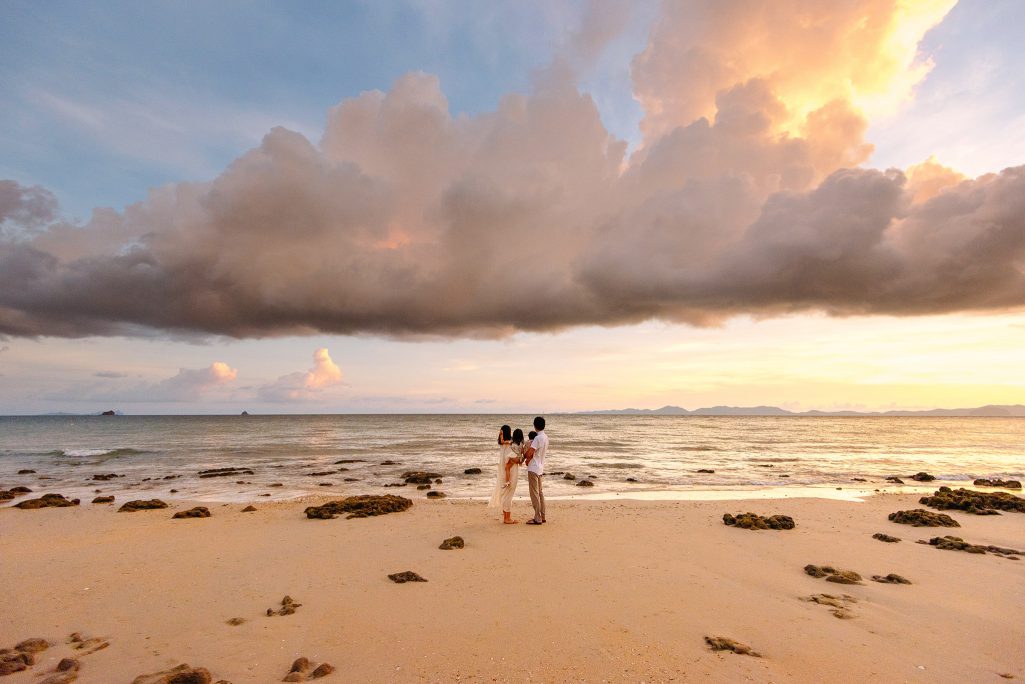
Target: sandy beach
{"type": "Point", "coordinates": [606, 591]}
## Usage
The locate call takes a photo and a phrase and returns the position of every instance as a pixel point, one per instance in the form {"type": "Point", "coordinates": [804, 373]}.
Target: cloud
{"type": "Point", "coordinates": [109, 374]}
{"type": "Point", "coordinates": [304, 386]}
{"type": "Point", "coordinates": [188, 384]}
{"type": "Point", "coordinates": [404, 220]}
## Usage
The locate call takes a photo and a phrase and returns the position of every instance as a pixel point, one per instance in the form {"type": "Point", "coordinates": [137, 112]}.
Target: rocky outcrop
{"type": "Point", "coordinates": [419, 477]}
{"type": "Point", "coordinates": [958, 544]}
{"type": "Point", "coordinates": [46, 501]}
{"type": "Point", "coordinates": [103, 499]}
{"type": "Point", "coordinates": [452, 543]}
{"type": "Point", "coordinates": [752, 521]}
{"type": "Point", "coordinates": [288, 607]}
{"type": "Point", "coordinates": [833, 574]}
{"type": "Point", "coordinates": [141, 505]}
{"type": "Point", "coordinates": [920, 517]}
{"type": "Point", "coordinates": [892, 578]}
{"type": "Point", "coordinates": [885, 538]}
{"type": "Point", "coordinates": [362, 506]}
{"type": "Point", "coordinates": [977, 503]}
{"type": "Point", "coordinates": [720, 643]}
{"type": "Point", "coordinates": [224, 472]}
{"type": "Point", "coordinates": [840, 605]}
{"type": "Point", "coordinates": [183, 674]}
{"type": "Point", "coordinates": [407, 576]}
{"type": "Point", "coordinates": [1003, 484]}
{"type": "Point", "coordinates": [197, 512]}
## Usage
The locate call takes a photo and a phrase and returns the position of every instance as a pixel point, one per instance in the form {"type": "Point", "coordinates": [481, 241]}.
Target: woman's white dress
{"type": "Point", "coordinates": [503, 496]}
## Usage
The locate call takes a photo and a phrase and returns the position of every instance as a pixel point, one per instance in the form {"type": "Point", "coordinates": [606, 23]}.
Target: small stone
{"type": "Point", "coordinates": [407, 576]}
{"type": "Point", "coordinates": [892, 578]}
{"type": "Point", "coordinates": [472, 471]}
{"type": "Point", "coordinates": [103, 499]}
{"type": "Point", "coordinates": [922, 477]}
{"type": "Point", "coordinates": [67, 664]}
{"type": "Point", "coordinates": [300, 665]}
{"type": "Point", "coordinates": [895, 480]}
{"type": "Point", "coordinates": [436, 495]}
{"type": "Point", "coordinates": [452, 543]}
{"type": "Point", "coordinates": [833, 574]}
{"type": "Point", "coordinates": [705, 470]}
{"type": "Point", "coordinates": [421, 488]}
{"type": "Point", "coordinates": [569, 476]}
{"type": "Point", "coordinates": [585, 483]}
{"type": "Point", "coordinates": [885, 538]}
{"type": "Point", "coordinates": [419, 477]}
{"type": "Point", "coordinates": [322, 670]}
{"type": "Point", "coordinates": [236, 621]}
{"type": "Point", "coordinates": [249, 509]}
{"type": "Point", "coordinates": [32, 645]}
{"type": "Point", "coordinates": [724, 644]}
{"type": "Point", "coordinates": [197, 512]}
{"type": "Point", "coordinates": [141, 505]}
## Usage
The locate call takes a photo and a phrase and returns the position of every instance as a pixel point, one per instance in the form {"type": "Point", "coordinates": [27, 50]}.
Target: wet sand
{"type": "Point", "coordinates": [605, 591]}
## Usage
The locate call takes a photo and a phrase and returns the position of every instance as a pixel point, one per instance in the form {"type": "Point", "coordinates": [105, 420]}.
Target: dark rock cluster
{"type": "Point", "coordinates": [1004, 484]}
{"type": "Point", "coordinates": [8, 494]}
{"type": "Point", "coordinates": [22, 656]}
{"type": "Point", "coordinates": [752, 521]}
{"type": "Point", "coordinates": [362, 506]}
{"type": "Point", "coordinates": [922, 477]}
{"type": "Point", "coordinates": [419, 477]}
{"type": "Point", "coordinates": [141, 505]}
{"type": "Point", "coordinates": [833, 574]}
{"type": "Point", "coordinates": [288, 606]}
{"type": "Point", "coordinates": [969, 501]}
{"type": "Point", "coordinates": [197, 512]}
{"type": "Point", "coordinates": [47, 501]}
{"type": "Point", "coordinates": [892, 578]}
{"type": "Point", "coordinates": [720, 643]}
{"type": "Point", "coordinates": [919, 517]}
{"type": "Point", "coordinates": [949, 543]}
{"type": "Point", "coordinates": [303, 670]}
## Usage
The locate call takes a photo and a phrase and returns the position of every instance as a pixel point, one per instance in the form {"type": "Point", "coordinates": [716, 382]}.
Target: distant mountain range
{"type": "Point", "coordinates": [993, 411]}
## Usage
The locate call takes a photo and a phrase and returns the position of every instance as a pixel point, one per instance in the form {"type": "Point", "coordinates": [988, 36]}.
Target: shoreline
{"type": "Point", "coordinates": [612, 590]}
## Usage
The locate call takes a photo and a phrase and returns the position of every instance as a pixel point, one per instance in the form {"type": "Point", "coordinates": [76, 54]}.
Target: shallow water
{"type": "Point", "coordinates": [663, 453]}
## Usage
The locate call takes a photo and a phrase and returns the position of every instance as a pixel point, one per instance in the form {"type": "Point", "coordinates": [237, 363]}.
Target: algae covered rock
{"type": "Point", "coordinates": [197, 512]}
{"type": "Point", "coordinates": [141, 505]}
{"type": "Point", "coordinates": [419, 477]}
{"type": "Point", "coordinates": [103, 499]}
{"type": "Point", "coordinates": [752, 521]}
{"type": "Point", "coordinates": [452, 543]}
{"type": "Point", "coordinates": [1004, 484]}
{"type": "Point", "coordinates": [720, 643]}
{"type": "Point", "coordinates": [892, 578]}
{"type": "Point", "coordinates": [833, 574]}
{"type": "Point", "coordinates": [922, 477]}
{"type": "Point", "coordinates": [949, 543]}
{"type": "Point", "coordinates": [920, 517]}
{"type": "Point", "coordinates": [363, 506]}
{"type": "Point", "coordinates": [46, 501]}
{"type": "Point", "coordinates": [407, 576]}
{"type": "Point", "coordinates": [977, 503]}
{"type": "Point", "coordinates": [436, 495]}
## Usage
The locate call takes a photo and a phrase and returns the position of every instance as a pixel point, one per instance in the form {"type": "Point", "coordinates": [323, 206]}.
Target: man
{"type": "Point", "coordinates": [535, 458]}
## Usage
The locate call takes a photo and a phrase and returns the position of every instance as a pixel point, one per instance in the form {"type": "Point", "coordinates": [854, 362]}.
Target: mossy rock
{"type": "Point", "coordinates": [753, 521]}
{"type": "Point", "coordinates": [46, 501]}
{"type": "Point", "coordinates": [720, 643]}
{"type": "Point", "coordinates": [970, 501]}
{"type": "Point", "coordinates": [920, 517]}
{"type": "Point", "coordinates": [833, 574]}
{"type": "Point", "coordinates": [363, 506]}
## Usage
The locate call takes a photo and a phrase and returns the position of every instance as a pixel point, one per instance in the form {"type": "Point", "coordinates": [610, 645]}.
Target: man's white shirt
{"type": "Point", "coordinates": [540, 446]}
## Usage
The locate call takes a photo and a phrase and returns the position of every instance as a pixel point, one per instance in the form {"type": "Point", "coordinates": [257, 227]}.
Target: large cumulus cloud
{"type": "Point", "coordinates": [745, 197]}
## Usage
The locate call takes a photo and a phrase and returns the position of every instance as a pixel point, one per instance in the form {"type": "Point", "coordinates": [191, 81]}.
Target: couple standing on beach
{"type": "Point", "coordinates": [512, 451]}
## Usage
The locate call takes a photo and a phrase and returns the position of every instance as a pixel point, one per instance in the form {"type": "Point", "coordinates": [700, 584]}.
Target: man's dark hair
{"type": "Point", "coordinates": [539, 423]}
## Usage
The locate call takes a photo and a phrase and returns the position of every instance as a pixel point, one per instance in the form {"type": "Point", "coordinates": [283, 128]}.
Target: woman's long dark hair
{"type": "Point", "coordinates": [517, 437]}
{"type": "Point", "coordinates": [506, 435]}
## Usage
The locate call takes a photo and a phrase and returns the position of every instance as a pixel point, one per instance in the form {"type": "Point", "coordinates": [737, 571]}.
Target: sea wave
{"type": "Point", "coordinates": [94, 453]}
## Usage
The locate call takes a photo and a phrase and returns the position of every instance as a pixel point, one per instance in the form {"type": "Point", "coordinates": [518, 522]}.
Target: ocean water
{"type": "Point", "coordinates": [661, 453]}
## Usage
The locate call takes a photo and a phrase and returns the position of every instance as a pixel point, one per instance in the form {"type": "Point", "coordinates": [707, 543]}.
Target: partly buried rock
{"type": "Point", "coordinates": [141, 505]}
{"type": "Point", "coordinates": [833, 574]}
{"type": "Point", "coordinates": [724, 644]}
{"type": "Point", "coordinates": [419, 477]}
{"type": "Point", "coordinates": [841, 605]}
{"type": "Point", "coordinates": [224, 472]}
{"type": "Point", "coordinates": [300, 671]}
{"type": "Point", "coordinates": [920, 517]}
{"type": "Point", "coordinates": [362, 506]}
{"type": "Point", "coordinates": [288, 607]}
{"type": "Point", "coordinates": [978, 503]}
{"type": "Point", "coordinates": [752, 521]}
{"type": "Point", "coordinates": [585, 483]}
{"type": "Point", "coordinates": [885, 538]}
{"type": "Point", "coordinates": [436, 495]}
{"type": "Point", "coordinates": [35, 645]}
{"type": "Point", "coordinates": [922, 477]}
{"type": "Point", "coordinates": [103, 499]}
{"type": "Point", "coordinates": [46, 501]}
{"type": "Point", "coordinates": [249, 509]}
{"type": "Point", "coordinates": [22, 656]}
{"type": "Point", "coordinates": [958, 544]}
{"type": "Point", "coordinates": [707, 471]}
{"type": "Point", "coordinates": [569, 476]}
{"type": "Point", "coordinates": [26, 471]}
{"type": "Point", "coordinates": [183, 674]}
{"type": "Point", "coordinates": [472, 471]}
{"type": "Point", "coordinates": [8, 494]}
{"type": "Point", "coordinates": [407, 576]}
{"type": "Point", "coordinates": [452, 543]}
{"type": "Point", "coordinates": [236, 621]}
{"type": "Point", "coordinates": [892, 578]}
{"type": "Point", "coordinates": [87, 644]}
{"type": "Point", "coordinates": [197, 512]}
{"type": "Point", "coordinates": [1005, 484]}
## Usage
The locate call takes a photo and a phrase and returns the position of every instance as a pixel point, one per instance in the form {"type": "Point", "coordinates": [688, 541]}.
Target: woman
{"type": "Point", "coordinates": [510, 455]}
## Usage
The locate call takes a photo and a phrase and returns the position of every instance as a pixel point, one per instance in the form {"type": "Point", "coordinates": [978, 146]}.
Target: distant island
{"type": "Point", "coordinates": [990, 411]}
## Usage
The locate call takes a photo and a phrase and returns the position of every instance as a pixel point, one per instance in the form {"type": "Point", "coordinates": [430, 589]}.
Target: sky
{"type": "Point", "coordinates": [430, 206]}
